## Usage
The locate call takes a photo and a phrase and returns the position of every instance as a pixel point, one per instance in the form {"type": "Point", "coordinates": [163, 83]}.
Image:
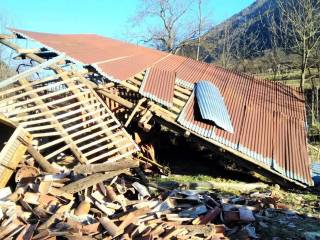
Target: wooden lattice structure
{"type": "Point", "coordinates": [63, 113]}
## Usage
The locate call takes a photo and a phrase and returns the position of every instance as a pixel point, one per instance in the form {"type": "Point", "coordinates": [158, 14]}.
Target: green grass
{"type": "Point", "coordinates": [292, 78]}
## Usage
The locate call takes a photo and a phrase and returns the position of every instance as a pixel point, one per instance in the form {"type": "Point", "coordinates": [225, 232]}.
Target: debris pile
{"type": "Point", "coordinates": [102, 201]}
{"type": "Point", "coordinates": [112, 201]}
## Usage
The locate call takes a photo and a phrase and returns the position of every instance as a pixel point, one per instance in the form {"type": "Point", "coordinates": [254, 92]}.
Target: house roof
{"type": "Point", "coordinates": [268, 117]}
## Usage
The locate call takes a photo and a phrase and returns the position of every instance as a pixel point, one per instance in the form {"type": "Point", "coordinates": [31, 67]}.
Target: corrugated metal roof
{"type": "Point", "coordinates": [190, 72]}
{"type": "Point", "coordinates": [158, 85]}
{"type": "Point", "coordinates": [269, 121]}
{"type": "Point", "coordinates": [171, 62]}
{"type": "Point", "coordinates": [115, 59]}
{"type": "Point", "coordinates": [212, 106]}
{"type": "Point", "coordinates": [268, 117]}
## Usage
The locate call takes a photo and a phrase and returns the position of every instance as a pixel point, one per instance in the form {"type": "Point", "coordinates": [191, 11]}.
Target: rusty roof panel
{"type": "Point", "coordinates": [114, 58]}
{"type": "Point", "coordinates": [124, 68]}
{"type": "Point", "coordinates": [158, 85]}
{"type": "Point", "coordinates": [190, 72]}
{"type": "Point", "coordinates": [170, 62]}
{"type": "Point", "coordinates": [255, 140]}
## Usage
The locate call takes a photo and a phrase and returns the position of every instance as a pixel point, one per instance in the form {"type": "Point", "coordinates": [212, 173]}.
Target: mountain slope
{"type": "Point", "coordinates": [246, 34]}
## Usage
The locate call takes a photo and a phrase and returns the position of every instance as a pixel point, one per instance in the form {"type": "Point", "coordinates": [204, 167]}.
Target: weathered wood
{"type": "Point", "coordinates": [58, 126]}
{"type": "Point", "coordinates": [27, 50]}
{"type": "Point", "coordinates": [91, 180]}
{"type": "Point", "coordinates": [107, 154]}
{"type": "Point", "coordinates": [7, 36]}
{"type": "Point", "coordinates": [182, 90]}
{"type": "Point", "coordinates": [44, 163]}
{"type": "Point", "coordinates": [116, 98]}
{"type": "Point", "coordinates": [99, 141]}
{"type": "Point", "coordinates": [136, 108]}
{"type": "Point", "coordinates": [181, 95]}
{"type": "Point", "coordinates": [109, 226]}
{"type": "Point", "coordinates": [106, 167]}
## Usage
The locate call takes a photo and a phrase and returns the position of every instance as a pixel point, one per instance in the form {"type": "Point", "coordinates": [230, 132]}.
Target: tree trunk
{"type": "Point", "coordinates": [303, 78]}
{"type": "Point", "coordinates": [312, 107]}
{"type": "Point", "coordinates": [317, 105]}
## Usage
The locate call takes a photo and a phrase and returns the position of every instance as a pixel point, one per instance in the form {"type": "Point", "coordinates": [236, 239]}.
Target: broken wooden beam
{"type": "Point", "coordinates": [106, 167]}
{"type": "Point", "coordinates": [91, 180]}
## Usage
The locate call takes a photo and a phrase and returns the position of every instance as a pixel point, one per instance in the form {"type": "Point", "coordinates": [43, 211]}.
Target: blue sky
{"type": "Point", "coordinates": [104, 17]}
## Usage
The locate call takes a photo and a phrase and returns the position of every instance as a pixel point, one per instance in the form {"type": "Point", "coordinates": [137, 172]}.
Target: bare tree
{"type": "Point", "coordinates": [246, 45]}
{"type": "Point", "coordinates": [303, 19]}
{"type": "Point", "coordinates": [169, 25]}
{"type": "Point", "coordinates": [228, 44]}
{"type": "Point", "coordinates": [163, 21]}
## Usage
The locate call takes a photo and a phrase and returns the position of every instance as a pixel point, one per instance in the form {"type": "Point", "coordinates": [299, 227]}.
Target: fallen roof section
{"type": "Point", "coordinates": [62, 112]}
{"type": "Point", "coordinates": [268, 117]}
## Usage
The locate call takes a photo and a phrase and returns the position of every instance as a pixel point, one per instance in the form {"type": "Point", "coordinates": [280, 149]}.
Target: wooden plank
{"type": "Point", "coordinates": [89, 181]}
{"type": "Point", "coordinates": [140, 102]}
{"type": "Point", "coordinates": [122, 156]}
{"type": "Point", "coordinates": [58, 126]}
{"type": "Point", "coordinates": [134, 81]}
{"type": "Point", "coordinates": [101, 140]}
{"type": "Point", "coordinates": [30, 71]}
{"type": "Point", "coordinates": [175, 109]}
{"type": "Point", "coordinates": [81, 116]}
{"type": "Point", "coordinates": [87, 122]}
{"type": "Point", "coordinates": [52, 143]}
{"type": "Point", "coordinates": [44, 80]}
{"type": "Point", "coordinates": [48, 86]}
{"type": "Point", "coordinates": [58, 151]}
{"type": "Point", "coordinates": [106, 167]}
{"type": "Point", "coordinates": [34, 122]}
{"type": "Point", "coordinates": [181, 95]}
{"type": "Point", "coordinates": [43, 112]}
{"type": "Point", "coordinates": [41, 98]}
{"type": "Point", "coordinates": [178, 102]}
{"type": "Point", "coordinates": [39, 128]}
{"type": "Point", "coordinates": [116, 98]}
{"type": "Point", "coordinates": [49, 134]}
{"type": "Point", "coordinates": [73, 112]}
{"type": "Point", "coordinates": [130, 86]}
{"type": "Point", "coordinates": [28, 50]}
{"type": "Point", "coordinates": [99, 149]}
{"type": "Point", "coordinates": [109, 153]}
{"type": "Point", "coordinates": [94, 135]}
{"type": "Point", "coordinates": [7, 36]}
{"type": "Point", "coordinates": [44, 164]}
{"type": "Point", "coordinates": [182, 90]}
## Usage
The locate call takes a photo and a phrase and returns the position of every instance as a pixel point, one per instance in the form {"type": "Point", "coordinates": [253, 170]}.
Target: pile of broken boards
{"type": "Point", "coordinates": [68, 169]}
{"type": "Point", "coordinates": [112, 205]}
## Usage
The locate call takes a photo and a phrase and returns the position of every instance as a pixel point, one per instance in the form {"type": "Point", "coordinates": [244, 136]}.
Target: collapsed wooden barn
{"type": "Point", "coordinates": [267, 118]}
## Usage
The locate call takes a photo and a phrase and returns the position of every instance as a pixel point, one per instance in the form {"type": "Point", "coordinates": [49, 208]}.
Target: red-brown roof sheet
{"type": "Point", "coordinates": [113, 58]}
{"type": "Point", "coordinates": [160, 86]}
